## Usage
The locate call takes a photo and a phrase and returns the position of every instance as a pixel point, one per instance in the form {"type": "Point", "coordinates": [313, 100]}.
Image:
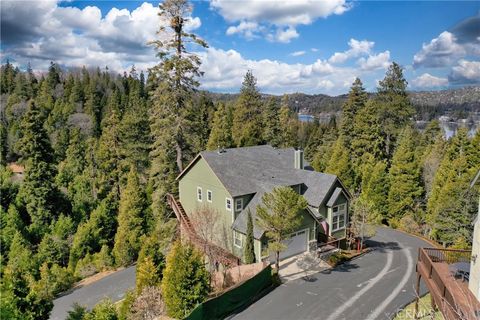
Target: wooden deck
{"type": "Point", "coordinates": [449, 294]}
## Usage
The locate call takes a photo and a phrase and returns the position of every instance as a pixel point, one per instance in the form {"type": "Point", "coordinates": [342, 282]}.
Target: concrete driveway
{"type": "Point", "coordinates": [112, 286]}
{"type": "Point", "coordinates": [373, 286]}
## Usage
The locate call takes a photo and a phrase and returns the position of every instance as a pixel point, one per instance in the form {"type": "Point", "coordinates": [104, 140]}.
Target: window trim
{"type": "Point", "coordinates": [238, 200]}
{"type": "Point", "coordinates": [226, 204]}
{"type": "Point", "coordinates": [338, 214]}
{"type": "Point", "coordinates": [239, 238]}
{"type": "Point", "coordinates": [209, 195]}
{"type": "Point", "coordinates": [199, 194]}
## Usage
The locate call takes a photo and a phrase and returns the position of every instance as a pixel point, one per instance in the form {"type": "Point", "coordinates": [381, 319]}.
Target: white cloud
{"type": "Point", "coordinates": [466, 72]}
{"type": "Point", "coordinates": [224, 71]}
{"type": "Point", "coordinates": [247, 29]}
{"type": "Point", "coordinates": [426, 80]}
{"type": "Point", "coordinates": [76, 37]}
{"type": "Point", "coordinates": [117, 39]}
{"type": "Point", "coordinates": [284, 35]}
{"type": "Point", "coordinates": [298, 53]}
{"type": "Point", "coordinates": [440, 52]}
{"type": "Point", "coordinates": [314, 49]}
{"type": "Point", "coordinates": [278, 14]}
{"type": "Point", "coordinates": [357, 48]}
{"type": "Point", "coordinates": [373, 62]}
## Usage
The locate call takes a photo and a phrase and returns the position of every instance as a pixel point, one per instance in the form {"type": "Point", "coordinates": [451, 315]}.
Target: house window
{"type": "Point", "coordinates": [239, 204]}
{"type": "Point", "coordinates": [199, 194]}
{"type": "Point", "coordinates": [237, 239]}
{"type": "Point", "coordinates": [339, 217]}
{"type": "Point", "coordinates": [228, 204]}
{"type": "Point", "coordinates": [209, 195]}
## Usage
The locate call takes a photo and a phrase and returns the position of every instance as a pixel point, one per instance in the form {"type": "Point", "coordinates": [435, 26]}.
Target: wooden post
{"type": "Point", "coordinates": [434, 307]}
{"type": "Point", "coordinates": [417, 293]}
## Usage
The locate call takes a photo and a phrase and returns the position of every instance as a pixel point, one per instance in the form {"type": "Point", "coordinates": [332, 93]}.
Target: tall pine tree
{"type": "Point", "coordinates": [247, 129]}
{"type": "Point", "coordinates": [38, 191]}
{"type": "Point", "coordinates": [131, 221]}
{"type": "Point", "coordinates": [395, 109]}
{"type": "Point", "coordinates": [221, 133]}
{"type": "Point", "coordinates": [357, 98]}
{"type": "Point", "coordinates": [405, 179]}
{"type": "Point", "coordinates": [176, 80]}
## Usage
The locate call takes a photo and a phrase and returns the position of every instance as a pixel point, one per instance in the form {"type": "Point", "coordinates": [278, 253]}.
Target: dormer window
{"type": "Point", "coordinates": [239, 204]}
{"type": "Point", "coordinates": [199, 194]}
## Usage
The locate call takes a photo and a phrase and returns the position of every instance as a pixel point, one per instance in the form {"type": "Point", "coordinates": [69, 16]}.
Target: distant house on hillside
{"type": "Point", "coordinates": [233, 181]}
{"type": "Point", "coordinates": [17, 171]}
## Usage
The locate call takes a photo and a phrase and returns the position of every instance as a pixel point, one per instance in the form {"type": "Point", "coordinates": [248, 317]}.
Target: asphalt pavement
{"type": "Point", "coordinates": [373, 286]}
{"type": "Point", "coordinates": [113, 286]}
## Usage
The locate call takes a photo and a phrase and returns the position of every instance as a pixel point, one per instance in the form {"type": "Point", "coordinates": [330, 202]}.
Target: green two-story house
{"type": "Point", "coordinates": [231, 182]}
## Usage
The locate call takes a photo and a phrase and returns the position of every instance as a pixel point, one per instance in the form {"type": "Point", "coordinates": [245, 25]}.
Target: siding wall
{"type": "Point", "coordinates": [474, 283]}
{"type": "Point", "coordinates": [200, 175]}
{"type": "Point", "coordinates": [326, 212]}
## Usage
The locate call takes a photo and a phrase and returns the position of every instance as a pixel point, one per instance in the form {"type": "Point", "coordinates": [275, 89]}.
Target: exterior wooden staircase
{"type": "Point", "coordinates": [215, 252]}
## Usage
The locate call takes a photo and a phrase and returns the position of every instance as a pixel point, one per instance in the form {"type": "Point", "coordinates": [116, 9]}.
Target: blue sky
{"type": "Point", "coordinates": [296, 46]}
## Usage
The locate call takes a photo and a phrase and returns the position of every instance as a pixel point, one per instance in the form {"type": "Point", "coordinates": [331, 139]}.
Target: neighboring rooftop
{"type": "Point", "coordinates": [16, 168]}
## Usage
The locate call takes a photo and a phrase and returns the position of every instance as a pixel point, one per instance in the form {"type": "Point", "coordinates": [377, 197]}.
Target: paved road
{"type": "Point", "coordinates": [113, 286]}
{"type": "Point", "coordinates": [373, 286]}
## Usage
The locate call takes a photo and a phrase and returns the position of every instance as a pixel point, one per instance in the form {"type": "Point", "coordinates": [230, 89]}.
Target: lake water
{"type": "Point", "coordinates": [449, 127]}
{"type": "Point", "coordinates": [306, 118]}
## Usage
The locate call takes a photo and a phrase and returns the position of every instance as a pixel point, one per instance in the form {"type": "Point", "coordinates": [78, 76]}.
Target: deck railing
{"type": "Point", "coordinates": [447, 255]}
{"type": "Point", "coordinates": [442, 295]}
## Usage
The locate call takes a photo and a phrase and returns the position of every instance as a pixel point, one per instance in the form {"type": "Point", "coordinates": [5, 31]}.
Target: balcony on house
{"type": "Point", "coordinates": [446, 275]}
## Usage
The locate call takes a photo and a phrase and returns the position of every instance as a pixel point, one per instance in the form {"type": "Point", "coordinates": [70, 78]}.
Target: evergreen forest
{"type": "Point", "coordinates": [88, 156]}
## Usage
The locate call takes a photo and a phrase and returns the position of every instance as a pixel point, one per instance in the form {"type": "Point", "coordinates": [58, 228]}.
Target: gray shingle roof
{"type": "Point", "coordinates": [240, 223]}
{"type": "Point", "coordinates": [258, 170]}
{"type": "Point", "coordinates": [247, 170]}
{"type": "Point", "coordinates": [334, 197]}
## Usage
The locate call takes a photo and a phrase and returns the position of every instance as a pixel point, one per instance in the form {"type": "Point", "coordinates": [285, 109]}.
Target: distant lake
{"type": "Point", "coordinates": [306, 118]}
{"type": "Point", "coordinates": [450, 128]}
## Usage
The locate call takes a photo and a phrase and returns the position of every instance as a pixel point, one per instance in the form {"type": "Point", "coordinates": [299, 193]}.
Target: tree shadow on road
{"type": "Point", "coordinates": [344, 267]}
{"type": "Point", "coordinates": [382, 246]}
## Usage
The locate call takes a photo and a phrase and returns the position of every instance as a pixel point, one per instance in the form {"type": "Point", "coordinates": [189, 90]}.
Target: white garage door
{"type": "Point", "coordinates": [296, 244]}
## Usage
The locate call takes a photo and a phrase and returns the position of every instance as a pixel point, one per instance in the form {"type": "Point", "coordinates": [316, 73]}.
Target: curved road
{"type": "Point", "coordinates": [112, 286]}
{"type": "Point", "coordinates": [374, 286]}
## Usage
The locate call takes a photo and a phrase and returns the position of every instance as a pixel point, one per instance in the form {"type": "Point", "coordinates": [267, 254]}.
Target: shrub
{"type": "Point", "coordinates": [126, 305]}
{"type": "Point", "coordinates": [186, 280]}
{"type": "Point", "coordinates": [337, 258]}
{"type": "Point", "coordinates": [146, 274]}
{"type": "Point", "coordinates": [105, 310]}
{"type": "Point", "coordinates": [408, 224]}
{"type": "Point", "coordinates": [93, 263]}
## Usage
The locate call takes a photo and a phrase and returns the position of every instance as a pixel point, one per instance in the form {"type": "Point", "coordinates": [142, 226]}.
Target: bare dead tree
{"type": "Point", "coordinates": [360, 225]}
{"type": "Point", "coordinates": [149, 305]}
{"type": "Point", "coordinates": [206, 221]}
